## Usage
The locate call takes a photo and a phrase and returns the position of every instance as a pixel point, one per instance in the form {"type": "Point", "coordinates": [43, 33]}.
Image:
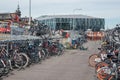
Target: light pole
{"type": "Point", "coordinates": [29, 12]}
{"type": "Point", "coordinates": [74, 18]}
{"type": "Point", "coordinates": [76, 10]}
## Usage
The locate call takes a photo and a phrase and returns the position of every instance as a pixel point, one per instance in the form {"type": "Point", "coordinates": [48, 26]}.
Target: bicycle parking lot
{"type": "Point", "coordinates": [73, 65]}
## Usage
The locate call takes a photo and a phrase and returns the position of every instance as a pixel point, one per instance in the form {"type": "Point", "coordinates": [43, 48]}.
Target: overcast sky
{"type": "Point", "coordinates": [108, 9]}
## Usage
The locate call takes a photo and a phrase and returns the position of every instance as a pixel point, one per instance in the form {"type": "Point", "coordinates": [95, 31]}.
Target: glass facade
{"type": "Point", "coordinates": [75, 23]}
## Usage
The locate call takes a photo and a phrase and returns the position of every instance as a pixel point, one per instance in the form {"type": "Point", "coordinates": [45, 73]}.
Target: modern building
{"type": "Point", "coordinates": [70, 22]}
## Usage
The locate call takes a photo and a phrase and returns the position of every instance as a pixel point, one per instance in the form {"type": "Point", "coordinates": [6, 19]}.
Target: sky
{"type": "Point", "coordinates": [108, 9]}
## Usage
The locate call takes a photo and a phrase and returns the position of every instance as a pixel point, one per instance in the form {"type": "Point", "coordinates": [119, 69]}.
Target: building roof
{"type": "Point", "coordinates": [63, 16]}
{"type": "Point", "coordinates": [4, 16]}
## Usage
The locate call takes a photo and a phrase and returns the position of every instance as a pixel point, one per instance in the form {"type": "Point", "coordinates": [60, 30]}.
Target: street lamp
{"type": "Point", "coordinates": [29, 12]}
{"type": "Point", "coordinates": [76, 10]}
{"type": "Point", "coordinates": [73, 17]}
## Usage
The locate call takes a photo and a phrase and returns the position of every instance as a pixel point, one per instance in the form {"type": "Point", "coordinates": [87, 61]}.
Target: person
{"type": "Point", "coordinates": [74, 43]}
{"type": "Point", "coordinates": [67, 35]}
{"type": "Point", "coordinates": [105, 43]}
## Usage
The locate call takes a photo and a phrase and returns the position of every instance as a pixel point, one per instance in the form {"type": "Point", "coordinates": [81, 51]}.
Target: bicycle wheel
{"type": "Point", "coordinates": [92, 61]}
{"type": "Point", "coordinates": [47, 54]}
{"type": "Point", "coordinates": [62, 49]}
{"type": "Point", "coordinates": [4, 70]}
{"type": "Point", "coordinates": [104, 73]}
{"type": "Point", "coordinates": [21, 60]}
{"type": "Point", "coordinates": [100, 65]}
{"type": "Point", "coordinates": [59, 53]}
{"type": "Point", "coordinates": [39, 55]}
{"type": "Point", "coordinates": [42, 53]}
{"type": "Point", "coordinates": [116, 34]}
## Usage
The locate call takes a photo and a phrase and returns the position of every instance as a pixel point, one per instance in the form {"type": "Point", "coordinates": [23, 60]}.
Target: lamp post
{"type": "Point", "coordinates": [29, 12]}
{"type": "Point", "coordinates": [76, 10]}
{"type": "Point", "coordinates": [73, 17]}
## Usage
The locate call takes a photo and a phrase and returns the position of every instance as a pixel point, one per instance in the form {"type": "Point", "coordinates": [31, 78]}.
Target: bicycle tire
{"type": "Point", "coordinates": [26, 63]}
{"type": "Point", "coordinates": [42, 54]}
{"type": "Point", "coordinates": [116, 35]}
{"type": "Point", "coordinates": [91, 60]}
{"type": "Point", "coordinates": [103, 76]}
{"type": "Point", "coordinates": [100, 65]}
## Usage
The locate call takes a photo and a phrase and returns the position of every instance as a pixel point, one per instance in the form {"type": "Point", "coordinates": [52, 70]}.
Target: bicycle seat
{"type": "Point", "coordinates": [99, 48]}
